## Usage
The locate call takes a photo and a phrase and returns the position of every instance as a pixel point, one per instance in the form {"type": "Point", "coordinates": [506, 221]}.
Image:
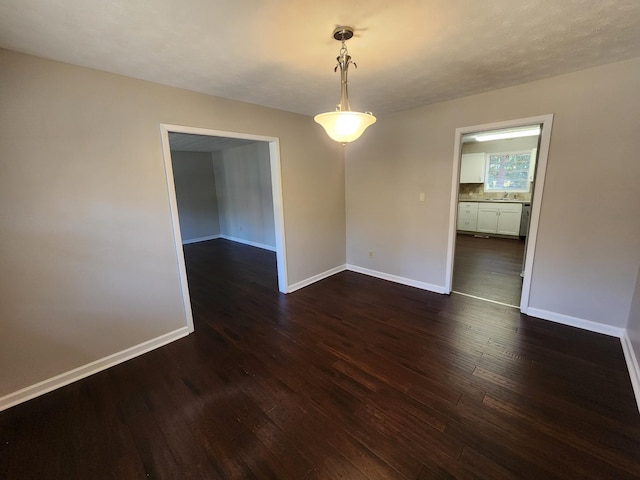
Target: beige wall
{"type": "Point", "coordinates": [245, 199]}
{"type": "Point", "coordinates": [588, 249]}
{"type": "Point", "coordinates": [195, 188]}
{"type": "Point", "coordinates": [88, 259]}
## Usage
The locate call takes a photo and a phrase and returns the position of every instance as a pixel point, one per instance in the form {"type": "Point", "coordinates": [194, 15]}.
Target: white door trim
{"type": "Point", "coordinates": [276, 187]}
{"type": "Point", "coordinates": [545, 139]}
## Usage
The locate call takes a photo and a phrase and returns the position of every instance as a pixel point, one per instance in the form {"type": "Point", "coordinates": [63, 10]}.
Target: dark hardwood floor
{"type": "Point", "coordinates": [349, 378]}
{"type": "Point", "coordinates": [489, 268]}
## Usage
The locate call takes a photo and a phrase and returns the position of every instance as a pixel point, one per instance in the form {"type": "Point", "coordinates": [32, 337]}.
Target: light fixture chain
{"type": "Point", "coordinates": [344, 59]}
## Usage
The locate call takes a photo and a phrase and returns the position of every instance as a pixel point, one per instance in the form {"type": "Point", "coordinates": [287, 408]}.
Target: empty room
{"type": "Point", "coordinates": [228, 253]}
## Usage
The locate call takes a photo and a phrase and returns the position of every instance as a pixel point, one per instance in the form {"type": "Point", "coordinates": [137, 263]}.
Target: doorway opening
{"type": "Point", "coordinates": [497, 187]}
{"type": "Point", "coordinates": [228, 205]}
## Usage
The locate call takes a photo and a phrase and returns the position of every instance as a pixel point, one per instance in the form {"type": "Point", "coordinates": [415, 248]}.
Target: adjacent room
{"type": "Point", "coordinates": [221, 261]}
{"type": "Point", "coordinates": [223, 192]}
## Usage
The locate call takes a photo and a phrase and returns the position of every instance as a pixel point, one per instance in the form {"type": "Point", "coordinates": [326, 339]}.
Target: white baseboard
{"type": "Point", "coordinates": [248, 242]}
{"type": "Point", "coordinates": [316, 278]}
{"type": "Point", "coordinates": [632, 365]}
{"type": "Point", "coordinates": [79, 373]}
{"type": "Point", "coordinates": [230, 238]}
{"type": "Point", "coordinates": [200, 239]}
{"type": "Point", "coordinates": [576, 322]}
{"type": "Point", "coordinates": [394, 278]}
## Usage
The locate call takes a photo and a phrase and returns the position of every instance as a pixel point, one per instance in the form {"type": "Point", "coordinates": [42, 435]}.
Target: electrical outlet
{"type": "Point", "coordinates": [371, 253]}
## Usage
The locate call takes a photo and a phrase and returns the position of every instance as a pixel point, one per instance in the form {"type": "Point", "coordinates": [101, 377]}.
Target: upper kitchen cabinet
{"type": "Point", "coordinates": [472, 168]}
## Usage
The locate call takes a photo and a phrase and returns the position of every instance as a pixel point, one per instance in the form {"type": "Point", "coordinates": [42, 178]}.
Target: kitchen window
{"type": "Point", "coordinates": [507, 172]}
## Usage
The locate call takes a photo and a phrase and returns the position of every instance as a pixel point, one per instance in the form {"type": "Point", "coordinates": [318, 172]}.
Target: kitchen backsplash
{"type": "Point", "coordinates": [475, 191]}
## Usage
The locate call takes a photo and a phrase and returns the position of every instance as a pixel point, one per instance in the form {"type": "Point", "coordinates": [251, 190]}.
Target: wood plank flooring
{"type": "Point", "coordinates": [350, 378]}
{"type": "Point", "coordinates": [489, 268]}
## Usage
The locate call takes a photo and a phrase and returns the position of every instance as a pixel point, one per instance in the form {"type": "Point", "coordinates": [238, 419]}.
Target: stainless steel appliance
{"type": "Point", "coordinates": [524, 219]}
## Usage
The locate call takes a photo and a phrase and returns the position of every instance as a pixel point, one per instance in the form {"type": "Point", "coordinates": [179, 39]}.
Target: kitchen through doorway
{"type": "Point", "coordinates": [494, 194]}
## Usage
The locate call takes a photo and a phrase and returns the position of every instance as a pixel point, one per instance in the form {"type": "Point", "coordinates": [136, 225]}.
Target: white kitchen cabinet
{"type": "Point", "coordinates": [532, 164]}
{"type": "Point", "coordinates": [467, 216]}
{"type": "Point", "coordinates": [500, 218]}
{"type": "Point", "coordinates": [487, 218]}
{"type": "Point", "coordinates": [509, 219]}
{"type": "Point", "coordinates": [472, 168]}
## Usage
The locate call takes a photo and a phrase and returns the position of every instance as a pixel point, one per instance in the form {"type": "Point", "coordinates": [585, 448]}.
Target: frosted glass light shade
{"type": "Point", "coordinates": [345, 127]}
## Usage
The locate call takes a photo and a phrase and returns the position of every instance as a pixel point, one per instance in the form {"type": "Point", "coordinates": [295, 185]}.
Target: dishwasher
{"type": "Point", "coordinates": [524, 231]}
{"type": "Point", "coordinates": [524, 219]}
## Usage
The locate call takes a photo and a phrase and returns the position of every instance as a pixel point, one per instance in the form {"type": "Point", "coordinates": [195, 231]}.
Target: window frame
{"type": "Point", "coordinates": [486, 185]}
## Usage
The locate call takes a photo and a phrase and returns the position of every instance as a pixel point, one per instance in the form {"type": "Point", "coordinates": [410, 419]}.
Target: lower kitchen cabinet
{"type": "Point", "coordinates": [503, 219]}
{"type": "Point", "coordinates": [467, 216]}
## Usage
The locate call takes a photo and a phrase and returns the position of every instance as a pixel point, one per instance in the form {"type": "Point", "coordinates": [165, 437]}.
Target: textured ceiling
{"type": "Point", "coordinates": [281, 54]}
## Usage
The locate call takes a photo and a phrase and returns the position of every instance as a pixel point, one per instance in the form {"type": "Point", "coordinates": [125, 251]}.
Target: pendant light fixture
{"type": "Point", "coordinates": [343, 125]}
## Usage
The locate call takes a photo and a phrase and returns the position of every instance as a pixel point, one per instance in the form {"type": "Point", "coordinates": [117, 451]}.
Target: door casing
{"type": "Point", "coordinates": [546, 121]}
{"type": "Point", "coordinates": [276, 186]}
